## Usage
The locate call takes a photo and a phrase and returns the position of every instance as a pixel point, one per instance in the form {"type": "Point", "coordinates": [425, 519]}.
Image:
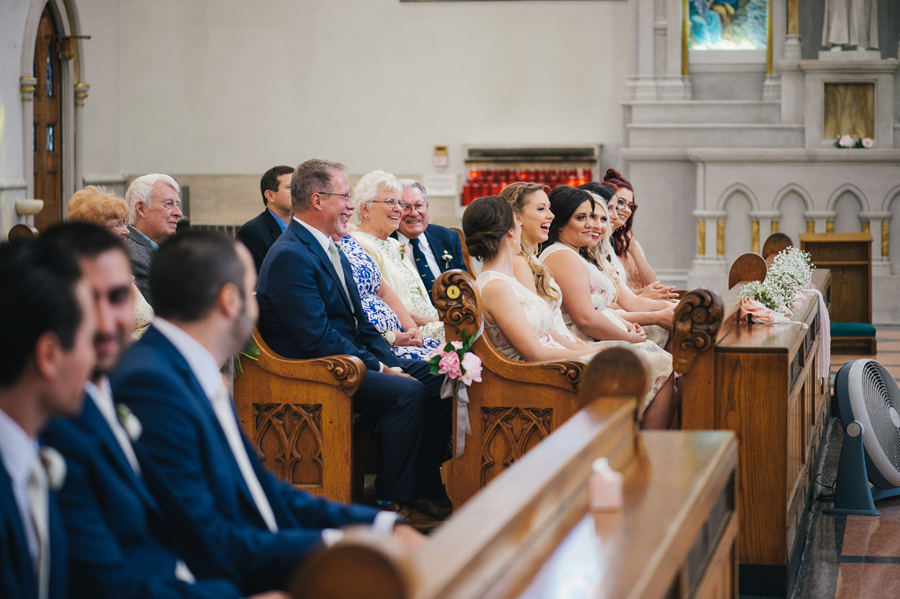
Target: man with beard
{"type": "Point", "coordinates": [310, 307]}
{"type": "Point", "coordinates": [48, 323]}
{"type": "Point", "coordinates": [203, 286]}
{"type": "Point", "coordinates": [124, 540]}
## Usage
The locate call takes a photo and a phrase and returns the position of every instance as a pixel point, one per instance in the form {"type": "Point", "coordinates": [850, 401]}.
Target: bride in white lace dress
{"type": "Point", "coordinates": [587, 293]}
{"type": "Point", "coordinates": [493, 235]}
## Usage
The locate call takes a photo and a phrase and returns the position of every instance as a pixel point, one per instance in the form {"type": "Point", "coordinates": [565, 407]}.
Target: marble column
{"type": "Point", "coordinates": [879, 228]}
{"type": "Point", "coordinates": [766, 220]}
{"type": "Point", "coordinates": [817, 220]}
{"type": "Point", "coordinates": [709, 268]}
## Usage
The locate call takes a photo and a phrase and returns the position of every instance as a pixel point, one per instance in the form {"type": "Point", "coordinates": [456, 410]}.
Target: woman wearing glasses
{"type": "Point", "coordinates": [380, 207]}
{"type": "Point", "coordinates": [639, 275]}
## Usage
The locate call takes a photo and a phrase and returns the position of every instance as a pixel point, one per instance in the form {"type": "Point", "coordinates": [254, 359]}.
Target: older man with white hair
{"type": "Point", "coordinates": [153, 212]}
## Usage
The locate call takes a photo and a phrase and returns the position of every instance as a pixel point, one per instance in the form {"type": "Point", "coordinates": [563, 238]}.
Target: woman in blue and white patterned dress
{"type": "Point", "coordinates": [383, 308]}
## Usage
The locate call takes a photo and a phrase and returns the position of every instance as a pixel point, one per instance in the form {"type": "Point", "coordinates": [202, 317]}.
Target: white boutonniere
{"type": "Point", "coordinates": [129, 422]}
{"type": "Point", "coordinates": [446, 257]}
{"type": "Point", "coordinates": [403, 251]}
{"type": "Point", "coordinates": [55, 467]}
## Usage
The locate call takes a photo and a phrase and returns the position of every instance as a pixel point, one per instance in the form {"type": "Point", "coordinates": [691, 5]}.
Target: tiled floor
{"type": "Point", "coordinates": [853, 556]}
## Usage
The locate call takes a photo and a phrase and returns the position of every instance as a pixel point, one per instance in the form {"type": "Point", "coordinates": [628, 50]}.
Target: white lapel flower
{"type": "Point", "coordinates": [446, 257]}
{"type": "Point", "coordinates": [55, 467]}
{"type": "Point", "coordinates": [402, 251]}
{"type": "Point", "coordinates": [129, 422]}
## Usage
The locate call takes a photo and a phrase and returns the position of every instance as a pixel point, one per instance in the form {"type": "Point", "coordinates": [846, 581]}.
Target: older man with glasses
{"type": "Point", "coordinates": [435, 249]}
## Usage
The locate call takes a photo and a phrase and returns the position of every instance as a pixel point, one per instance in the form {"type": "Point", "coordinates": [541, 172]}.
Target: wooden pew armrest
{"type": "Point", "coordinates": [343, 371]}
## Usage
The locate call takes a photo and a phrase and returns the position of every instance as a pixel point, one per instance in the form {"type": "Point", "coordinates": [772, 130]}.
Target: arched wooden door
{"type": "Point", "coordinates": [47, 124]}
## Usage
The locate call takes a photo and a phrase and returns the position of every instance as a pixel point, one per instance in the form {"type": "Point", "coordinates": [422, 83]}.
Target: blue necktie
{"type": "Point", "coordinates": [422, 265]}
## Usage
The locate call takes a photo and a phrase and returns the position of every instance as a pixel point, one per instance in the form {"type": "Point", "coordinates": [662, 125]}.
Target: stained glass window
{"type": "Point", "coordinates": [727, 24]}
{"type": "Point", "coordinates": [49, 76]}
{"type": "Point", "coordinates": [51, 138]}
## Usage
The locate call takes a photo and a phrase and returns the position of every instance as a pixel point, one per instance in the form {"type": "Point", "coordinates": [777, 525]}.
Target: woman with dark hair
{"type": "Point", "coordinates": [639, 275]}
{"type": "Point", "coordinates": [587, 291]}
{"type": "Point", "coordinates": [493, 235]}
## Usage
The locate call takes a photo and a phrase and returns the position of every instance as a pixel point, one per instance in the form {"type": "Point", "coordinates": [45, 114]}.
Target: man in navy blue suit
{"type": "Point", "coordinates": [435, 249]}
{"type": "Point", "coordinates": [205, 310]}
{"type": "Point", "coordinates": [310, 307]}
{"type": "Point", "coordinates": [259, 233]}
{"type": "Point", "coordinates": [124, 543]}
{"type": "Point", "coordinates": [48, 323]}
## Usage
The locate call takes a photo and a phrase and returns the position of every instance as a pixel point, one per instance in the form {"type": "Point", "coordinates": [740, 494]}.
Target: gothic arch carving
{"type": "Point", "coordinates": [737, 187]}
{"type": "Point", "coordinates": [793, 187]}
{"type": "Point", "coordinates": [855, 191]}
{"type": "Point", "coordinates": [890, 197]}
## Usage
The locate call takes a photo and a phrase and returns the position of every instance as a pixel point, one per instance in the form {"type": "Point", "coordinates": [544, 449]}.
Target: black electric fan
{"type": "Point", "coordinates": [869, 402]}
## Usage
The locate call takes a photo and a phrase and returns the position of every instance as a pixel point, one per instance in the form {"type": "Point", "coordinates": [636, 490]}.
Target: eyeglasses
{"type": "Point", "coordinates": [392, 203]}
{"type": "Point", "coordinates": [418, 207]}
{"type": "Point", "coordinates": [619, 203]}
{"type": "Point", "coordinates": [346, 196]}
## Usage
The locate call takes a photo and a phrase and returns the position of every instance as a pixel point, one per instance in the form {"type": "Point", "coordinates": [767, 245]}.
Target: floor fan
{"type": "Point", "coordinates": [869, 402]}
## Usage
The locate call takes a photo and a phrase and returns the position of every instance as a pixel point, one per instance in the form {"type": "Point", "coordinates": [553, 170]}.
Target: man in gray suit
{"type": "Point", "coordinates": [153, 212]}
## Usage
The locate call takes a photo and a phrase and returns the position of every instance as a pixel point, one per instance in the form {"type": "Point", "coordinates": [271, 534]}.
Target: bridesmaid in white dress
{"type": "Point", "coordinates": [493, 235]}
{"type": "Point", "coordinates": [587, 293]}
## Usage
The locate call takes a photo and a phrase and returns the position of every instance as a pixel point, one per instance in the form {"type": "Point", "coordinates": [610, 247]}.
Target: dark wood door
{"type": "Point", "coordinates": [47, 124]}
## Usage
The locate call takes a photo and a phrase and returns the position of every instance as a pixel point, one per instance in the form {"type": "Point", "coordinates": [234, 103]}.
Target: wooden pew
{"type": "Point", "coordinates": [299, 416]}
{"type": "Point", "coordinates": [775, 243]}
{"type": "Point", "coordinates": [514, 407]}
{"type": "Point", "coordinates": [759, 381]}
{"type": "Point", "coordinates": [530, 534]}
{"type": "Point", "coordinates": [465, 249]}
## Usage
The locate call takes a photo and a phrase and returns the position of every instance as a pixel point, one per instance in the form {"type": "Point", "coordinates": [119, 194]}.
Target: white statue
{"type": "Point", "coordinates": [852, 23]}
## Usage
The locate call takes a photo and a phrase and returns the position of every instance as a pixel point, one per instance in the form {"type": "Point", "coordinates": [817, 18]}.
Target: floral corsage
{"type": "Point", "coordinates": [129, 422]}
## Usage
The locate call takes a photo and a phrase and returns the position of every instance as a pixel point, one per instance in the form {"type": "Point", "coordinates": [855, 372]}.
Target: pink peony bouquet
{"type": "Point", "coordinates": [457, 361]}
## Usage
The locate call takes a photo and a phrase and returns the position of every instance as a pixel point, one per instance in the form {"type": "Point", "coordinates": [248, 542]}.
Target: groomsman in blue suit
{"type": "Point", "coordinates": [124, 543]}
{"type": "Point", "coordinates": [259, 233]}
{"type": "Point", "coordinates": [170, 379]}
{"type": "Point", "coordinates": [435, 249]}
{"type": "Point", "coordinates": [310, 307]}
{"type": "Point", "coordinates": [48, 322]}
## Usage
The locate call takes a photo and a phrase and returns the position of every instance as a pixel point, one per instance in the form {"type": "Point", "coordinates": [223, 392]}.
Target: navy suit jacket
{"type": "Point", "coordinates": [303, 310]}
{"type": "Point", "coordinates": [183, 439]}
{"type": "Point", "coordinates": [17, 576]}
{"type": "Point", "coordinates": [121, 542]}
{"type": "Point", "coordinates": [444, 241]}
{"type": "Point", "coordinates": [258, 234]}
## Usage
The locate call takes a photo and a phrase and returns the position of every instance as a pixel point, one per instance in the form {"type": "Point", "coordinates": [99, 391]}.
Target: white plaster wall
{"type": "Point", "coordinates": [229, 86]}
{"type": "Point", "coordinates": [102, 70]}
{"type": "Point", "coordinates": [12, 27]}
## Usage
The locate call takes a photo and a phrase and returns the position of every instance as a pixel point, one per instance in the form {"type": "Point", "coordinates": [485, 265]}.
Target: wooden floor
{"type": "Point", "coordinates": [853, 556]}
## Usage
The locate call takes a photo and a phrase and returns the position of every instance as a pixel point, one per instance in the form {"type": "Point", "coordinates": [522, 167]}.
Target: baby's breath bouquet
{"type": "Point", "coordinates": [790, 272]}
{"type": "Point", "coordinates": [765, 292]}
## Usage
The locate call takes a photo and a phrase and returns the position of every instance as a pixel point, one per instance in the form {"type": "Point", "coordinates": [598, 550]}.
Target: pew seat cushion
{"type": "Point", "coordinates": [852, 329]}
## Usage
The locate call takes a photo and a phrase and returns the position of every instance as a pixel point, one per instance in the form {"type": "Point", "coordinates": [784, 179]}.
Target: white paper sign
{"type": "Point", "coordinates": [444, 184]}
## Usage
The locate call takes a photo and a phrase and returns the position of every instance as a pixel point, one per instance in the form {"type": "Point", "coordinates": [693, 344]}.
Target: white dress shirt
{"type": "Point", "coordinates": [19, 453]}
{"type": "Point", "coordinates": [426, 249]}
{"type": "Point", "coordinates": [102, 397]}
{"type": "Point", "coordinates": [204, 367]}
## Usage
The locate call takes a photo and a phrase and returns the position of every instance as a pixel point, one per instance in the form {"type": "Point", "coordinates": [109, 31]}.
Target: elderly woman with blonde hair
{"type": "Point", "coordinates": [100, 206]}
{"type": "Point", "coordinates": [378, 195]}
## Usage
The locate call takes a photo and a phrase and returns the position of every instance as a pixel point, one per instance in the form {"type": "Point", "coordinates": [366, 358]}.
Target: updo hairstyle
{"type": "Point", "coordinates": [564, 201]}
{"type": "Point", "coordinates": [484, 223]}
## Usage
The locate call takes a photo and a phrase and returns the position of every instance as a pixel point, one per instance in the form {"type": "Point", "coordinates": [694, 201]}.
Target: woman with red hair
{"type": "Point", "coordinates": [639, 275]}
